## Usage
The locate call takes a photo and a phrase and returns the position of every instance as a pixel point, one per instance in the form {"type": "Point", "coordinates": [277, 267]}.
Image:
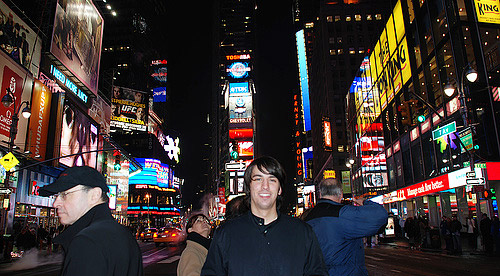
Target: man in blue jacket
{"type": "Point", "coordinates": [340, 228]}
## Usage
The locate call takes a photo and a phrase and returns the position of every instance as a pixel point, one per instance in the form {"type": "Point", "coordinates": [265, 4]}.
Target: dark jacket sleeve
{"type": "Point", "coordinates": [84, 258]}
{"type": "Point", "coordinates": [215, 264]}
{"type": "Point", "coordinates": [315, 263]}
{"type": "Point", "coordinates": [363, 221]}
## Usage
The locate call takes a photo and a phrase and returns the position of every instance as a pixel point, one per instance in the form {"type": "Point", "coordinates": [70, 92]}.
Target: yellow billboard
{"type": "Point", "coordinates": [487, 11]}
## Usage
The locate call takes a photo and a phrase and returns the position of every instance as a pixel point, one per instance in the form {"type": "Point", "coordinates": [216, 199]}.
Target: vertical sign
{"type": "Point", "coordinates": [299, 171]}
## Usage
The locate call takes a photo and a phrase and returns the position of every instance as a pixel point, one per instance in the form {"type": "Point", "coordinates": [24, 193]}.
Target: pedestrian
{"type": "Point", "coordinates": [471, 232]}
{"type": "Point", "coordinates": [93, 242]}
{"type": "Point", "coordinates": [410, 229]}
{"type": "Point", "coordinates": [446, 233]}
{"type": "Point", "coordinates": [455, 228]}
{"type": "Point", "coordinates": [236, 207]}
{"type": "Point", "coordinates": [194, 255]}
{"type": "Point", "coordinates": [340, 228]}
{"type": "Point", "coordinates": [264, 241]}
{"type": "Point", "coordinates": [485, 228]}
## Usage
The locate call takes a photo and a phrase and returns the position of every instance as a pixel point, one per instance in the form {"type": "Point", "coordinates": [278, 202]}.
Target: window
{"type": "Point", "coordinates": [339, 39]}
{"type": "Point", "coordinates": [331, 40]}
{"type": "Point", "coordinates": [378, 17]}
{"type": "Point", "coordinates": [329, 18]}
{"type": "Point", "coordinates": [369, 17]}
{"type": "Point", "coordinates": [361, 50]}
{"type": "Point", "coordinates": [340, 51]}
{"type": "Point", "coordinates": [337, 18]}
{"type": "Point", "coordinates": [333, 52]}
{"type": "Point", "coordinates": [340, 148]}
{"type": "Point", "coordinates": [348, 18]}
{"type": "Point", "coordinates": [352, 51]}
{"type": "Point", "coordinates": [357, 17]}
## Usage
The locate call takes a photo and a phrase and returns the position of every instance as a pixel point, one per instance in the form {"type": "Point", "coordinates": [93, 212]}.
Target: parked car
{"type": "Point", "coordinates": [148, 234]}
{"type": "Point", "coordinates": [169, 236]}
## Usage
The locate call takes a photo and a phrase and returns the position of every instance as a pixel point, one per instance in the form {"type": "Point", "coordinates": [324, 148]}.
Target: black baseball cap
{"type": "Point", "coordinates": [72, 177]}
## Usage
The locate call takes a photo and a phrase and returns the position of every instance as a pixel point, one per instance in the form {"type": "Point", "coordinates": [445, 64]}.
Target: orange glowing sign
{"type": "Point", "coordinates": [238, 57]}
{"type": "Point", "coordinates": [327, 134]}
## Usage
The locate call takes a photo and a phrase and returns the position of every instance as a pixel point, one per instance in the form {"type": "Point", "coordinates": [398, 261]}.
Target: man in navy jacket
{"type": "Point", "coordinates": [340, 228]}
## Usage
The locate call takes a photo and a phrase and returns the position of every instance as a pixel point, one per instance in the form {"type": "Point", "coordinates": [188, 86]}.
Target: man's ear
{"type": "Point", "coordinates": [95, 194]}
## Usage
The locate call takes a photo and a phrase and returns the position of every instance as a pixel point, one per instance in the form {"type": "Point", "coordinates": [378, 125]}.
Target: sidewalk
{"type": "Point", "coordinates": [403, 243]}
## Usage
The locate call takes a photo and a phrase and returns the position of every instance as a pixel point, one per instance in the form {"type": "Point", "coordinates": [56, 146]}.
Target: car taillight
{"type": "Point", "coordinates": [142, 234]}
{"type": "Point", "coordinates": [174, 234]}
{"type": "Point", "coordinates": [155, 235]}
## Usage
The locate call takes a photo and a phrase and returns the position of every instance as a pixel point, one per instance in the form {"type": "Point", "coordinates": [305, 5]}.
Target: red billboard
{"type": "Point", "coordinates": [241, 133]}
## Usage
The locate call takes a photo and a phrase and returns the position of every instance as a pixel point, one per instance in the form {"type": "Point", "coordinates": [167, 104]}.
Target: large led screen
{"type": "Point", "coordinates": [79, 138]}
{"type": "Point", "coordinates": [128, 109]}
{"type": "Point", "coordinates": [240, 107]}
{"type": "Point", "coordinates": [17, 39]}
{"type": "Point", "coordinates": [77, 39]}
{"type": "Point", "coordinates": [238, 70]}
{"type": "Point", "coordinates": [153, 173]}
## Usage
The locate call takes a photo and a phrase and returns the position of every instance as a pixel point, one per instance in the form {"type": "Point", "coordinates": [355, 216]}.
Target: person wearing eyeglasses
{"type": "Point", "coordinates": [198, 241]}
{"type": "Point", "coordinates": [93, 242]}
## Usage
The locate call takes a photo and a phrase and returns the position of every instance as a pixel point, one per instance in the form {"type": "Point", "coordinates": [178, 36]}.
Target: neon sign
{"type": "Point", "coordinates": [238, 70]}
{"type": "Point", "coordinates": [237, 57]}
{"type": "Point", "coordinates": [68, 83]}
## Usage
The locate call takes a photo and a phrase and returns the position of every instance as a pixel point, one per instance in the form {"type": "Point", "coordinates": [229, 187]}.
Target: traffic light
{"type": "Point", "coordinates": [234, 151]}
{"type": "Point", "coordinates": [489, 194]}
{"type": "Point", "coordinates": [117, 165]}
{"type": "Point", "coordinates": [404, 113]}
{"type": "Point", "coordinates": [420, 111]}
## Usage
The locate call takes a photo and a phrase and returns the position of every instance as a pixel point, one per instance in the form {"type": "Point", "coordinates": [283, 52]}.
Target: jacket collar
{"type": "Point", "coordinates": [98, 212]}
{"type": "Point", "coordinates": [328, 201]}
{"type": "Point", "coordinates": [193, 236]}
{"type": "Point", "coordinates": [260, 221]}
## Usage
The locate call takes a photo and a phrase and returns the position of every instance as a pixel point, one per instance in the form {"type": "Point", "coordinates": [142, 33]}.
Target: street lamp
{"type": "Point", "coordinates": [449, 90]}
{"type": "Point", "coordinates": [149, 222]}
{"type": "Point", "coordinates": [7, 101]}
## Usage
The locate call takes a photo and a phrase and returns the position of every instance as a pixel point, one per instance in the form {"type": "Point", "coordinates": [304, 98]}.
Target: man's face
{"type": "Point", "coordinates": [264, 190]}
{"type": "Point", "coordinates": [72, 204]}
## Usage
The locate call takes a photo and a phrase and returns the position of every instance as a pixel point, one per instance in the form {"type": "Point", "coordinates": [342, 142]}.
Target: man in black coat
{"type": "Point", "coordinates": [94, 243]}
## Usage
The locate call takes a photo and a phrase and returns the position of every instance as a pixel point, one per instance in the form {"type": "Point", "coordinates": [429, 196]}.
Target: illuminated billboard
{"type": "Point", "coordinates": [304, 79]}
{"type": "Point", "coordinates": [245, 148]}
{"type": "Point", "coordinates": [238, 70]}
{"type": "Point", "coordinates": [487, 11]}
{"type": "Point", "coordinates": [153, 173]}
{"type": "Point", "coordinates": [100, 111]}
{"type": "Point", "coordinates": [39, 123]}
{"type": "Point", "coordinates": [327, 134]}
{"type": "Point", "coordinates": [79, 138]}
{"type": "Point", "coordinates": [12, 77]}
{"type": "Point", "coordinates": [238, 88]}
{"type": "Point", "coordinates": [77, 38]}
{"type": "Point", "coordinates": [159, 94]}
{"type": "Point", "coordinates": [128, 109]}
{"type": "Point", "coordinates": [170, 143]}
{"type": "Point", "coordinates": [17, 39]}
{"type": "Point", "coordinates": [240, 107]}
{"type": "Point", "coordinates": [382, 75]}
{"type": "Point", "coordinates": [240, 133]}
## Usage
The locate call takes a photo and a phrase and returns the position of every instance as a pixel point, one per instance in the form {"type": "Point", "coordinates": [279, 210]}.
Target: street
{"type": "Point", "coordinates": [380, 260]}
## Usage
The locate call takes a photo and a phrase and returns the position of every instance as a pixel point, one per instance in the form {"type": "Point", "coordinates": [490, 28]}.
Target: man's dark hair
{"type": "Point", "coordinates": [330, 187]}
{"type": "Point", "coordinates": [193, 219]}
{"type": "Point", "coordinates": [104, 195]}
{"type": "Point", "coordinates": [271, 166]}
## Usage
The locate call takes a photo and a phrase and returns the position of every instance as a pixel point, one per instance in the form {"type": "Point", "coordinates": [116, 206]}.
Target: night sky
{"type": "Point", "coordinates": [189, 68]}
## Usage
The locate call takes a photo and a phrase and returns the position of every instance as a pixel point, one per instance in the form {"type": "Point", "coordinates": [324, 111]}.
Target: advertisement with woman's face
{"type": "Point", "coordinates": [79, 138]}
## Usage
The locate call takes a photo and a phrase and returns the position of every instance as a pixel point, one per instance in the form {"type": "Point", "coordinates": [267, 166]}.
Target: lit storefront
{"type": "Point", "coordinates": [423, 139]}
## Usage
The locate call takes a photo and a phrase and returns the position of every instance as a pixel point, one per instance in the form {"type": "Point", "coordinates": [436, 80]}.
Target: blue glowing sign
{"type": "Point", "coordinates": [304, 78]}
{"type": "Point", "coordinates": [159, 94]}
{"type": "Point", "coordinates": [153, 173]}
{"type": "Point", "coordinates": [238, 88]}
{"type": "Point", "coordinates": [238, 70]}
{"type": "Point", "coordinates": [64, 81]}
